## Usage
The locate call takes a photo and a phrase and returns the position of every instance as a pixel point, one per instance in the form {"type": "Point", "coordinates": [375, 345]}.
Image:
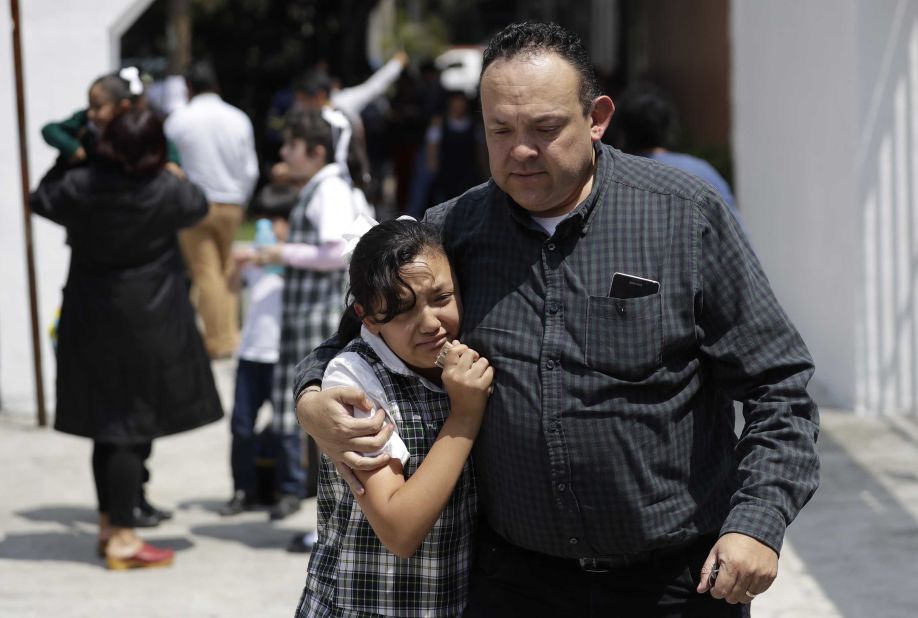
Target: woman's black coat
{"type": "Point", "coordinates": [130, 362]}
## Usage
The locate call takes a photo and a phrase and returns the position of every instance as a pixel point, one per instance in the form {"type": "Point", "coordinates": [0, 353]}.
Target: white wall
{"type": "Point", "coordinates": [825, 94]}
{"type": "Point", "coordinates": [65, 46]}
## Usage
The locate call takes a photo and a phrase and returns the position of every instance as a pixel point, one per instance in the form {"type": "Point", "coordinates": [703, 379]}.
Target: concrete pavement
{"type": "Point", "coordinates": [853, 551]}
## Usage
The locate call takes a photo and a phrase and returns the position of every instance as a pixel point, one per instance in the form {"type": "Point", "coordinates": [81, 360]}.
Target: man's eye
{"type": "Point", "coordinates": [547, 129]}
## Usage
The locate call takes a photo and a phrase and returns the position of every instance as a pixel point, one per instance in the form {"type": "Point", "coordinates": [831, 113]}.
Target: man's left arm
{"type": "Point", "coordinates": [756, 355]}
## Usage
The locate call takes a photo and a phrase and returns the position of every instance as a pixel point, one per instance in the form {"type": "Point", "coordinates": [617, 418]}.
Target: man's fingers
{"type": "Point", "coordinates": [369, 426]}
{"type": "Point", "coordinates": [361, 462]}
{"type": "Point", "coordinates": [349, 396]}
{"type": "Point", "coordinates": [726, 580]}
{"type": "Point", "coordinates": [705, 584]}
{"type": "Point", "coordinates": [737, 593]}
{"type": "Point", "coordinates": [350, 478]}
{"type": "Point", "coordinates": [370, 444]}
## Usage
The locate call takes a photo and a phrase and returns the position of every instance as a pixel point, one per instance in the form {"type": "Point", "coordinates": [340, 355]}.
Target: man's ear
{"type": "Point", "coordinates": [600, 116]}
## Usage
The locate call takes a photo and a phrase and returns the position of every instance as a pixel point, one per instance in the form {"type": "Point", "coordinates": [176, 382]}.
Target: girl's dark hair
{"type": "Point", "coordinates": [115, 86]}
{"type": "Point", "coordinates": [309, 126]}
{"type": "Point", "coordinates": [376, 281]}
{"type": "Point", "coordinates": [135, 142]}
{"type": "Point", "coordinates": [537, 38]}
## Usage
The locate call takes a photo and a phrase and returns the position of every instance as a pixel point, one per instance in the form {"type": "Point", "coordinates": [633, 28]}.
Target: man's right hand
{"type": "Point", "coordinates": [326, 416]}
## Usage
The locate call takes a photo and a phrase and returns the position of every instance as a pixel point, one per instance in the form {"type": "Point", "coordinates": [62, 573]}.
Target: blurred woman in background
{"type": "Point", "coordinates": [130, 362]}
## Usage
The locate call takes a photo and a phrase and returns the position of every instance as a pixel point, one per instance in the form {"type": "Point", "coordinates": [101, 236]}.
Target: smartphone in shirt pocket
{"type": "Point", "coordinates": [625, 329]}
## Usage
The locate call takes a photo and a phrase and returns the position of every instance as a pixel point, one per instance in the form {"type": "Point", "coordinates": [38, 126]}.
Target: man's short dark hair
{"type": "Point", "coordinates": [645, 118]}
{"type": "Point", "coordinates": [202, 77]}
{"type": "Point", "coordinates": [532, 38]}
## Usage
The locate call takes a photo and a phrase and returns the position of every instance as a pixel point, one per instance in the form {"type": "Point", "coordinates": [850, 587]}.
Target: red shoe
{"type": "Point", "coordinates": [147, 557]}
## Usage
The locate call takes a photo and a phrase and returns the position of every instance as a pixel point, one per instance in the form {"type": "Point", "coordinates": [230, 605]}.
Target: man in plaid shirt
{"type": "Point", "coordinates": [624, 312]}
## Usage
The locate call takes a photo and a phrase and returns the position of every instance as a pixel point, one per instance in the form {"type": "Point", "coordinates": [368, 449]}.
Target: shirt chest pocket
{"type": "Point", "coordinates": [624, 337]}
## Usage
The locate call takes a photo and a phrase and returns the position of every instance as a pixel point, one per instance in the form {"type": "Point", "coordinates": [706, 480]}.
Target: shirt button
{"type": "Point", "coordinates": [561, 486]}
{"type": "Point", "coordinates": [550, 364]}
{"type": "Point", "coordinates": [553, 308]}
{"type": "Point", "coordinates": [550, 246]}
{"type": "Point", "coordinates": [573, 540]}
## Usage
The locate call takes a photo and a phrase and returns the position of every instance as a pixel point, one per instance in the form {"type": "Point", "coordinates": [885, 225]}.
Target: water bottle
{"type": "Point", "coordinates": [264, 237]}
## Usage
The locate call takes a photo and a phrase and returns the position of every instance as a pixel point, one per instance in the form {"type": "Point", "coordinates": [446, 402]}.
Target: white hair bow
{"type": "Point", "coordinates": [361, 225]}
{"type": "Point", "coordinates": [132, 76]}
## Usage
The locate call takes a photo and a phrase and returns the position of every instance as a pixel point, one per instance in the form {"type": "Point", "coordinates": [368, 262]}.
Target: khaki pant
{"type": "Point", "coordinates": [207, 248]}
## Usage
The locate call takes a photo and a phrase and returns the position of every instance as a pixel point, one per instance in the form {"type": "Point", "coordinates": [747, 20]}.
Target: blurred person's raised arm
{"type": "Point", "coordinates": [355, 98]}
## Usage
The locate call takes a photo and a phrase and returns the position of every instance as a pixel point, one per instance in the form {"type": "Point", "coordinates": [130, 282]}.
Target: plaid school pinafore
{"type": "Point", "coordinates": [351, 573]}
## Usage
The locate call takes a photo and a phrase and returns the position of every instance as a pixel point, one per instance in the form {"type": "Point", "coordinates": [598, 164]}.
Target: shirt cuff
{"type": "Point", "coordinates": [764, 524]}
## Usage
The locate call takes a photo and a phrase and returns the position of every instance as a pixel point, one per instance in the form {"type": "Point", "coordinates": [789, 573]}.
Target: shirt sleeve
{"type": "Point", "coordinates": [330, 210]}
{"type": "Point", "coordinates": [324, 258]}
{"type": "Point", "coordinates": [759, 359]}
{"type": "Point", "coordinates": [352, 100]}
{"type": "Point", "coordinates": [64, 135]}
{"type": "Point", "coordinates": [250, 158]}
{"type": "Point", "coordinates": [349, 369]}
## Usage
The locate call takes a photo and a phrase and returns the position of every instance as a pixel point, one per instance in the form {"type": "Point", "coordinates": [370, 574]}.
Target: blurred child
{"type": "Point", "coordinates": [109, 96]}
{"type": "Point", "coordinates": [258, 354]}
{"type": "Point", "coordinates": [314, 275]}
{"type": "Point", "coordinates": [403, 547]}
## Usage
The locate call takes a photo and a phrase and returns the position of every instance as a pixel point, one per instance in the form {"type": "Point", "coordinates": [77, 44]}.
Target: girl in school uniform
{"type": "Point", "coordinates": [402, 548]}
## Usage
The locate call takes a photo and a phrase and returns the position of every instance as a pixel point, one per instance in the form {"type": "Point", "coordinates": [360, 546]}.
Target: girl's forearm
{"type": "Point", "coordinates": [403, 519]}
{"type": "Point", "coordinates": [325, 257]}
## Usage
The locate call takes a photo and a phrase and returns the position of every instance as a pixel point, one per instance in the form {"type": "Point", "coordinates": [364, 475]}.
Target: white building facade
{"type": "Point", "coordinates": [825, 142]}
{"type": "Point", "coordinates": [65, 45]}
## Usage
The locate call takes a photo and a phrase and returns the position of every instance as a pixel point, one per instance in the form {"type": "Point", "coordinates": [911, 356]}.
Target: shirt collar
{"type": "Point", "coordinates": [585, 209]}
{"type": "Point", "coordinates": [392, 362]}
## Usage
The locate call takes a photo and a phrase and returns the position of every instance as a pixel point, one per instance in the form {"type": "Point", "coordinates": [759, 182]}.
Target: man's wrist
{"type": "Point", "coordinates": [312, 387]}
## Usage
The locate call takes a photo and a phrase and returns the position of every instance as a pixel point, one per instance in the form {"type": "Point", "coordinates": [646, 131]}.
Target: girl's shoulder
{"type": "Point", "coordinates": [351, 369]}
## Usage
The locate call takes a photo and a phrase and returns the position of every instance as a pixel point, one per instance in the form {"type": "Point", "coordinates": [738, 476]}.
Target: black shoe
{"type": "Point", "coordinates": [287, 505]}
{"type": "Point", "coordinates": [239, 503]}
{"type": "Point", "coordinates": [148, 509]}
{"type": "Point", "coordinates": [302, 543]}
{"type": "Point", "coordinates": [145, 519]}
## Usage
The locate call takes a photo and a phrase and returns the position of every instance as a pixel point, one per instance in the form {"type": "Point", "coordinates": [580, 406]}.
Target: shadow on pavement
{"type": "Point", "coordinates": [66, 515]}
{"type": "Point", "coordinates": [253, 534]}
{"type": "Point", "coordinates": [212, 506]}
{"type": "Point", "coordinates": [857, 541]}
{"type": "Point", "coordinates": [67, 546]}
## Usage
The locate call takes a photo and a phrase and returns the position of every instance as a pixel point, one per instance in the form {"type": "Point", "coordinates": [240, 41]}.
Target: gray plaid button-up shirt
{"type": "Point", "coordinates": [610, 429]}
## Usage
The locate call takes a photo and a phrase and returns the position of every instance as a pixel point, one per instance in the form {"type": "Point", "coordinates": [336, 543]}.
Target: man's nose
{"type": "Point", "coordinates": [524, 150]}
